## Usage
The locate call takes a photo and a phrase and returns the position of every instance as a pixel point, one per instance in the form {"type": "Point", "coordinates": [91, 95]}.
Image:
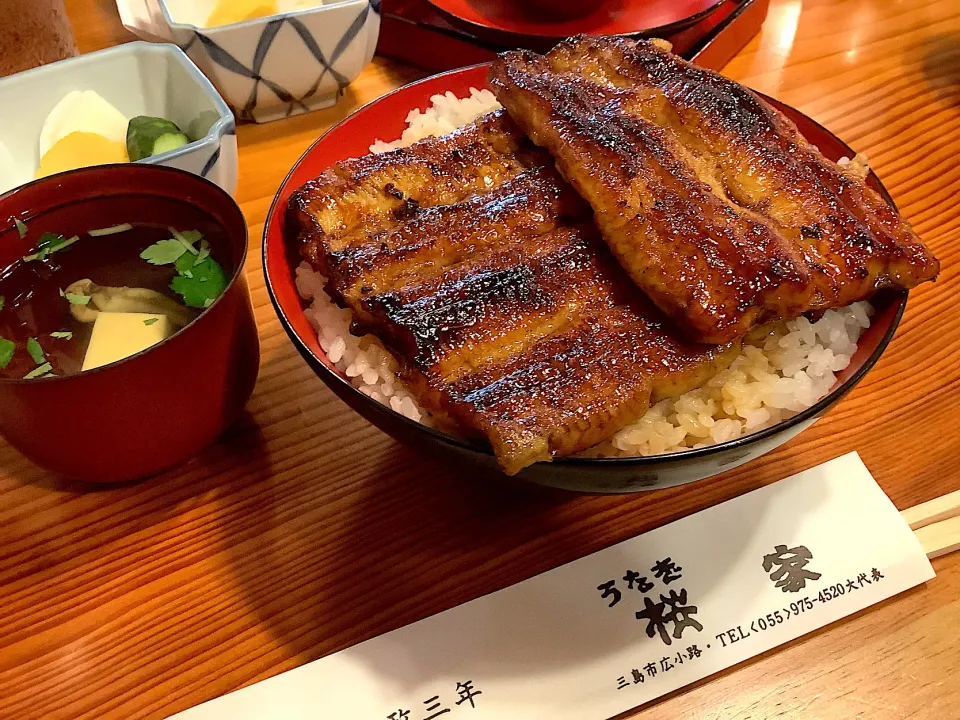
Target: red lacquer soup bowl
{"type": "Point", "coordinates": [151, 411]}
{"type": "Point", "coordinates": [384, 119]}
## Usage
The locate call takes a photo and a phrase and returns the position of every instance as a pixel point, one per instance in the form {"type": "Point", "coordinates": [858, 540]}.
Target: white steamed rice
{"type": "Point", "coordinates": [776, 376]}
{"type": "Point", "coordinates": [446, 113]}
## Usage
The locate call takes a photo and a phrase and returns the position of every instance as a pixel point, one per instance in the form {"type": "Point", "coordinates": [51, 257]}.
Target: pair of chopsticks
{"type": "Point", "coordinates": [936, 524]}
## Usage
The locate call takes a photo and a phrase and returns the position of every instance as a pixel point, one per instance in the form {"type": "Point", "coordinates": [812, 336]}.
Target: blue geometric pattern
{"type": "Point", "coordinates": [227, 61]}
{"type": "Point", "coordinates": [215, 158]}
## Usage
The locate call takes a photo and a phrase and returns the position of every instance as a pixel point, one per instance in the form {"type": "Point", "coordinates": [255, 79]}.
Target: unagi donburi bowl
{"type": "Point", "coordinates": [384, 118]}
{"type": "Point", "coordinates": [151, 411]}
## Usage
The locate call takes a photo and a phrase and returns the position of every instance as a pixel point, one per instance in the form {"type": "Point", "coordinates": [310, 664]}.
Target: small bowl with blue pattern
{"type": "Point", "coordinates": [137, 78]}
{"type": "Point", "coordinates": [294, 61]}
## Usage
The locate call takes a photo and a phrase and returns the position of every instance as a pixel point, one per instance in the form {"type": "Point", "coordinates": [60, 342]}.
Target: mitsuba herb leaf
{"type": "Point", "coordinates": [204, 251]}
{"type": "Point", "coordinates": [187, 238]}
{"type": "Point", "coordinates": [21, 227]}
{"type": "Point", "coordinates": [3, 301]}
{"type": "Point", "coordinates": [113, 230]}
{"type": "Point", "coordinates": [75, 299]}
{"type": "Point", "coordinates": [50, 243]}
{"type": "Point", "coordinates": [44, 369]}
{"type": "Point", "coordinates": [61, 244]}
{"type": "Point", "coordinates": [150, 321]}
{"type": "Point", "coordinates": [164, 252]}
{"type": "Point", "coordinates": [62, 335]}
{"type": "Point", "coordinates": [207, 283]}
{"type": "Point", "coordinates": [36, 352]}
{"type": "Point", "coordinates": [7, 349]}
{"type": "Point", "coordinates": [200, 280]}
{"type": "Point", "coordinates": [48, 239]}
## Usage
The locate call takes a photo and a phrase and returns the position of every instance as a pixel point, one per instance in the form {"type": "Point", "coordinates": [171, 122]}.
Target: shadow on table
{"type": "Point", "coordinates": [243, 436]}
{"type": "Point", "coordinates": [939, 58]}
{"type": "Point", "coordinates": [56, 529]}
{"type": "Point", "coordinates": [407, 537]}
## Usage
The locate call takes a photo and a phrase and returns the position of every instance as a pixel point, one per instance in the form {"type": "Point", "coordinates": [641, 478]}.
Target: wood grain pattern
{"type": "Point", "coordinates": [306, 530]}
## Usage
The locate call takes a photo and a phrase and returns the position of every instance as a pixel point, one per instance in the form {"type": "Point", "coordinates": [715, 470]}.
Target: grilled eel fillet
{"type": "Point", "coordinates": [503, 306]}
{"type": "Point", "coordinates": [711, 199]}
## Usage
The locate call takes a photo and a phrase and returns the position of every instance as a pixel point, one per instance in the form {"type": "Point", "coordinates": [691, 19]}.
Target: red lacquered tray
{"type": "Point", "coordinates": [510, 22]}
{"type": "Point", "coordinates": [417, 33]}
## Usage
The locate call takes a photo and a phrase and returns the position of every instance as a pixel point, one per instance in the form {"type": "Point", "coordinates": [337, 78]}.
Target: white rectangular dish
{"type": "Point", "coordinates": [138, 78]}
{"type": "Point", "coordinates": [299, 60]}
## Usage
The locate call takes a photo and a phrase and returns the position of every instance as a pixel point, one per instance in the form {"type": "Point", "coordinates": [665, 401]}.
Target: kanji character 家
{"type": "Point", "coordinates": [790, 575]}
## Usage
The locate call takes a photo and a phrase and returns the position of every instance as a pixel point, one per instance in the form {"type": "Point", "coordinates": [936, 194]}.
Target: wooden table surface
{"type": "Point", "coordinates": [307, 530]}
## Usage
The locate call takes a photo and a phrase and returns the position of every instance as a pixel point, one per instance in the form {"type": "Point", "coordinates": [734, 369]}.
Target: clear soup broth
{"type": "Point", "coordinates": [34, 306]}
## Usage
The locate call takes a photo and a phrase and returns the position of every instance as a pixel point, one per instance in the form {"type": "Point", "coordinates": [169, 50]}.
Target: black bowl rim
{"type": "Point", "coordinates": [235, 277]}
{"type": "Point", "coordinates": [330, 376]}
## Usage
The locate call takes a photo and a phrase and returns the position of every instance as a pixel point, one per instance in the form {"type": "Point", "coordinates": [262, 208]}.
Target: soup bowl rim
{"type": "Point", "coordinates": [235, 276]}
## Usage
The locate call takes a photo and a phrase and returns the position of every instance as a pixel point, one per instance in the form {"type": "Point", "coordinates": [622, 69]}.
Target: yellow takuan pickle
{"type": "Point", "coordinates": [227, 12]}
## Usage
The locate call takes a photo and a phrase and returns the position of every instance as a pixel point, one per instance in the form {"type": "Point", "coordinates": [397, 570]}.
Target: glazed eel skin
{"type": "Point", "coordinates": [711, 200]}
{"type": "Point", "coordinates": [481, 270]}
